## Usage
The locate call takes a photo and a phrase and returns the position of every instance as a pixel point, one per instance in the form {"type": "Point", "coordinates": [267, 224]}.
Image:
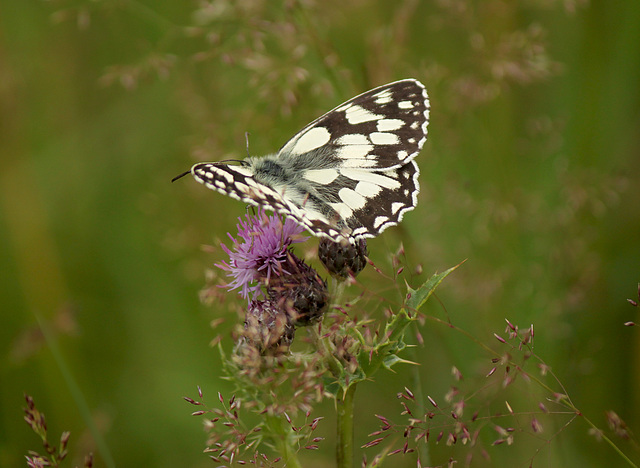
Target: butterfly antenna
{"type": "Point", "coordinates": [246, 139]}
{"type": "Point", "coordinates": [225, 161]}
{"type": "Point", "coordinates": [180, 176]}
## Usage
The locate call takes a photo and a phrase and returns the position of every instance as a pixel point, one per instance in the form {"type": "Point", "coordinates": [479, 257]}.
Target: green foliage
{"type": "Point", "coordinates": [385, 350]}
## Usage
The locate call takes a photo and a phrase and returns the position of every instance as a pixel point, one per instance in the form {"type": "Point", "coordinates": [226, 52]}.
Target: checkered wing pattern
{"type": "Point", "coordinates": [348, 174]}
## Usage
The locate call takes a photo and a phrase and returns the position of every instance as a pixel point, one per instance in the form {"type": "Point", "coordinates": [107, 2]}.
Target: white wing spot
{"type": "Point", "coordinates": [353, 139]}
{"type": "Point", "coordinates": [395, 207]}
{"type": "Point", "coordinates": [387, 125]}
{"type": "Point", "coordinates": [351, 198]}
{"type": "Point", "coordinates": [240, 187]}
{"type": "Point", "coordinates": [381, 138]}
{"type": "Point", "coordinates": [380, 220]}
{"type": "Point", "coordinates": [368, 189]}
{"type": "Point", "coordinates": [231, 194]}
{"type": "Point", "coordinates": [357, 114]}
{"type": "Point", "coordinates": [343, 210]}
{"type": "Point", "coordinates": [253, 182]}
{"type": "Point", "coordinates": [360, 230]}
{"type": "Point", "coordinates": [321, 176]}
{"type": "Point", "coordinates": [353, 152]}
{"type": "Point", "coordinates": [366, 162]}
{"type": "Point", "coordinates": [314, 138]}
{"type": "Point", "coordinates": [243, 171]}
{"type": "Point", "coordinates": [372, 177]}
{"type": "Point", "coordinates": [383, 97]}
{"type": "Point", "coordinates": [228, 177]}
{"type": "Point", "coordinates": [402, 154]}
{"type": "Point", "coordinates": [405, 104]}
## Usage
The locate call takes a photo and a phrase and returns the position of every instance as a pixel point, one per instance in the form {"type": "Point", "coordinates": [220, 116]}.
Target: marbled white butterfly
{"type": "Point", "coordinates": [347, 175]}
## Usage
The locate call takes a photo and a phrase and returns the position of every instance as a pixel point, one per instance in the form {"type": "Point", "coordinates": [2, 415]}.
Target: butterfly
{"type": "Point", "coordinates": [347, 175]}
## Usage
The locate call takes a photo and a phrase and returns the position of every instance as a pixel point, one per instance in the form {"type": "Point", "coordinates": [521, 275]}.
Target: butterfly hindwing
{"type": "Point", "coordinates": [375, 200]}
{"type": "Point", "coordinates": [348, 174]}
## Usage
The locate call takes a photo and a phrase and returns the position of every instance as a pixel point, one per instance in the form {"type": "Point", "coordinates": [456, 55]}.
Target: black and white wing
{"type": "Point", "coordinates": [383, 128]}
{"type": "Point", "coordinates": [347, 175]}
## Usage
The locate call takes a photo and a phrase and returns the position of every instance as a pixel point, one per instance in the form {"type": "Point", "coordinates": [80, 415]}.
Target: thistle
{"type": "Point", "coordinates": [343, 259]}
{"type": "Point", "coordinates": [283, 291]}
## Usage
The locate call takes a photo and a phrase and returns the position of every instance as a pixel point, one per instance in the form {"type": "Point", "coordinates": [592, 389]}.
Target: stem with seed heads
{"type": "Point", "coordinates": [282, 439]}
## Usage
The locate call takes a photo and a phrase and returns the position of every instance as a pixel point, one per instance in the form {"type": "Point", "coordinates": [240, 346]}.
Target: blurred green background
{"type": "Point", "coordinates": [530, 173]}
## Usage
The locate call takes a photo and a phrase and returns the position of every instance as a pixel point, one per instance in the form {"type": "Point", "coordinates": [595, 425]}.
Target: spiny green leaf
{"type": "Point", "coordinates": [339, 383]}
{"type": "Point", "coordinates": [395, 359]}
{"type": "Point", "coordinates": [417, 297]}
{"type": "Point", "coordinates": [385, 351]}
{"type": "Point", "coordinates": [396, 327]}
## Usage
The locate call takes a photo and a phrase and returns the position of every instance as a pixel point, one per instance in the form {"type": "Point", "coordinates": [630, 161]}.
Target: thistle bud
{"type": "Point", "coordinates": [267, 328]}
{"type": "Point", "coordinates": [302, 293]}
{"type": "Point", "coordinates": [342, 260]}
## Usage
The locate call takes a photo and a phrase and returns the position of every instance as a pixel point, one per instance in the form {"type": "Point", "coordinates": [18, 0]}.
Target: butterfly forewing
{"type": "Point", "coordinates": [383, 128]}
{"type": "Point", "coordinates": [348, 174]}
{"type": "Point", "coordinates": [238, 182]}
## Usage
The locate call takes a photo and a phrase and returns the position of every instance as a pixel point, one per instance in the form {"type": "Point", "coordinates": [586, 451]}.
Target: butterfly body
{"type": "Point", "coordinates": [348, 174]}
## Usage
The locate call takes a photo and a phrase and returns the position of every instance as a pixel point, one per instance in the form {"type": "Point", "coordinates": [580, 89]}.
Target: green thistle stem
{"type": "Point", "coordinates": [344, 403]}
{"type": "Point", "coordinates": [416, 388]}
{"type": "Point", "coordinates": [283, 440]}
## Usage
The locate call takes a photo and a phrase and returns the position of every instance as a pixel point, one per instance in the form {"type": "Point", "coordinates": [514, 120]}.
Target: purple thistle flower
{"type": "Point", "coordinates": [260, 251]}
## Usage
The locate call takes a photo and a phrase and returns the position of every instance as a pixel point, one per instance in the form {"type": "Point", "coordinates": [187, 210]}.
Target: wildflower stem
{"type": "Point", "coordinates": [423, 449]}
{"type": "Point", "coordinates": [325, 348]}
{"type": "Point", "coordinates": [283, 441]}
{"type": "Point", "coordinates": [611, 443]}
{"type": "Point", "coordinates": [344, 404]}
{"type": "Point", "coordinates": [338, 288]}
